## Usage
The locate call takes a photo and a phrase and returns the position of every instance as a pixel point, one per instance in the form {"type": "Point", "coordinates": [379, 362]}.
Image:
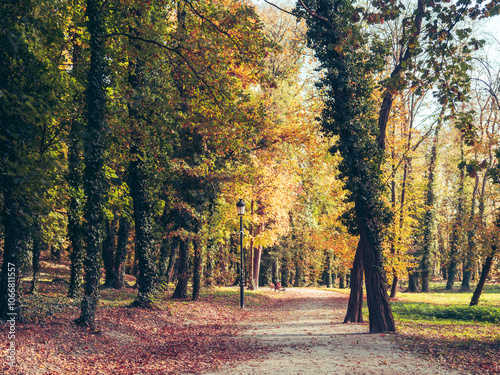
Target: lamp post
{"type": "Point", "coordinates": [240, 207]}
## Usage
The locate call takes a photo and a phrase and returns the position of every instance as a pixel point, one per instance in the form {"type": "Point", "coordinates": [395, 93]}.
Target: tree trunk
{"type": "Point", "coordinates": [94, 162]}
{"type": "Point", "coordinates": [144, 224]}
{"type": "Point", "coordinates": [468, 263]}
{"type": "Point", "coordinates": [484, 275]}
{"type": "Point", "coordinates": [121, 252]}
{"type": "Point", "coordinates": [456, 235]}
{"type": "Point", "coordinates": [329, 280]}
{"type": "Point", "coordinates": [14, 229]}
{"type": "Point", "coordinates": [36, 247]}
{"type": "Point", "coordinates": [256, 266]}
{"type": "Point", "coordinates": [181, 288]}
{"type": "Point", "coordinates": [394, 286]}
{"type": "Point", "coordinates": [355, 306]}
{"type": "Point", "coordinates": [412, 282]}
{"type": "Point", "coordinates": [108, 253]}
{"type": "Point", "coordinates": [140, 179]}
{"type": "Point", "coordinates": [380, 314]}
{"type": "Point", "coordinates": [174, 246]}
{"type": "Point", "coordinates": [75, 190]}
{"type": "Point", "coordinates": [285, 271]}
{"type": "Point", "coordinates": [197, 271]}
{"type": "Point", "coordinates": [342, 280]}
{"type": "Point", "coordinates": [429, 245]}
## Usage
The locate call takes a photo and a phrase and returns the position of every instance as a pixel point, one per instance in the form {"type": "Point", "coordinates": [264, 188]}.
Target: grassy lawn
{"type": "Point", "coordinates": [441, 326]}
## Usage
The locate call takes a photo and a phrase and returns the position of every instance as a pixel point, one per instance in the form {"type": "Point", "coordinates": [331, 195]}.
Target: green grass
{"type": "Point", "coordinates": [427, 311]}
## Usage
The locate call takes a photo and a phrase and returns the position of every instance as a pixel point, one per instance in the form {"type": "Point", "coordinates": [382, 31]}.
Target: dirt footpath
{"type": "Point", "coordinates": [309, 338]}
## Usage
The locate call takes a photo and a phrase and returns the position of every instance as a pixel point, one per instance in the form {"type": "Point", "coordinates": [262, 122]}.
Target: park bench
{"type": "Point", "coordinates": [277, 287]}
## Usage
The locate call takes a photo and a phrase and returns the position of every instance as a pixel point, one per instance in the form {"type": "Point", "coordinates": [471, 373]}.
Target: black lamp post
{"type": "Point", "coordinates": [240, 207]}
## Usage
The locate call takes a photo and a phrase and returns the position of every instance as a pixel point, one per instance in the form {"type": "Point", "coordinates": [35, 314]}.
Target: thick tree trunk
{"type": "Point", "coordinates": [355, 306]}
{"type": "Point", "coordinates": [380, 314]}
{"type": "Point", "coordinates": [94, 162]}
{"type": "Point", "coordinates": [181, 288]}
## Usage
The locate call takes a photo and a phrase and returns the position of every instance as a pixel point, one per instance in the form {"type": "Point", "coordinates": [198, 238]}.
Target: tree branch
{"type": "Point", "coordinates": [283, 10]}
{"type": "Point", "coordinates": [317, 16]}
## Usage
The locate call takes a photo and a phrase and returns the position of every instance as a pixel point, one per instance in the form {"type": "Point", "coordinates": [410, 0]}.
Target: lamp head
{"type": "Point", "coordinates": [240, 207]}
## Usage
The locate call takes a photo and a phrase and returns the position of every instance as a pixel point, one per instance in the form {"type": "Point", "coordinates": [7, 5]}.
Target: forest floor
{"type": "Point", "coordinates": [294, 332]}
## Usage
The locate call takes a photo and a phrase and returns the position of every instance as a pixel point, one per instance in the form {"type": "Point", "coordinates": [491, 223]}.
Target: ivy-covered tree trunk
{"type": "Point", "coordinates": [75, 188]}
{"type": "Point", "coordinates": [121, 252]}
{"type": "Point", "coordinates": [355, 306]}
{"type": "Point", "coordinates": [144, 227]}
{"type": "Point", "coordinates": [181, 288]}
{"type": "Point", "coordinates": [94, 183]}
{"type": "Point", "coordinates": [469, 253]}
{"type": "Point", "coordinates": [75, 211]}
{"type": "Point", "coordinates": [429, 244]}
{"type": "Point", "coordinates": [457, 231]}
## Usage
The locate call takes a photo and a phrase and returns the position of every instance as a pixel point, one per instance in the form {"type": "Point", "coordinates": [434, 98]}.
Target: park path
{"type": "Point", "coordinates": [307, 337]}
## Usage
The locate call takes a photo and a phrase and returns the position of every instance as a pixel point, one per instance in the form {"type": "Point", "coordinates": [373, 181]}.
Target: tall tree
{"type": "Point", "coordinates": [32, 91]}
{"type": "Point", "coordinates": [335, 38]}
{"type": "Point", "coordinates": [94, 147]}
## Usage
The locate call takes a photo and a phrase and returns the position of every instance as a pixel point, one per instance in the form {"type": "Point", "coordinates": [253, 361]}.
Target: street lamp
{"type": "Point", "coordinates": [240, 207]}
